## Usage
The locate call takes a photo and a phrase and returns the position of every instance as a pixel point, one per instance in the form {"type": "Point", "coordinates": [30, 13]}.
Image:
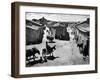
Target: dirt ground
{"type": "Point", "coordinates": [66, 53]}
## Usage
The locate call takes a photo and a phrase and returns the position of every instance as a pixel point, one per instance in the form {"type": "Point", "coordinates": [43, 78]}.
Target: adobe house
{"type": "Point", "coordinates": [34, 33]}
{"type": "Point", "coordinates": [59, 31]}
{"type": "Point", "coordinates": [83, 31]}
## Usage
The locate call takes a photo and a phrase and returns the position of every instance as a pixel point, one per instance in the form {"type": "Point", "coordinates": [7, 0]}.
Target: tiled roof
{"type": "Point", "coordinates": [84, 26]}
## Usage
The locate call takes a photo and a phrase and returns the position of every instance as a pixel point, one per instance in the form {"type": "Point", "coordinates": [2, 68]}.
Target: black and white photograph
{"type": "Point", "coordinates": [52, 39]}
{"type": "Point", "coordinates": [57, 39]}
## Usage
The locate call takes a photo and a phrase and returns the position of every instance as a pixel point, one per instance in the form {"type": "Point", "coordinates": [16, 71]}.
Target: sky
{"type": "Point", "coordinates": [57, 17]}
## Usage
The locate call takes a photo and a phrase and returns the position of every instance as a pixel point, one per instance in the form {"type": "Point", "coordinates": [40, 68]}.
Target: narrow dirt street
{"type": "Point", "coordinates": [66, 53]}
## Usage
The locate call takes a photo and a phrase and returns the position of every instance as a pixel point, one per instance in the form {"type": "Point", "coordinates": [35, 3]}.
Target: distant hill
{"type": "Point", "coordinates": [42, 21]}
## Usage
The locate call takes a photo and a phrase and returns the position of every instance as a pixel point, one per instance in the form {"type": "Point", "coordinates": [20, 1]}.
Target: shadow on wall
{"type": "Point", "coordinates": [62, 34]}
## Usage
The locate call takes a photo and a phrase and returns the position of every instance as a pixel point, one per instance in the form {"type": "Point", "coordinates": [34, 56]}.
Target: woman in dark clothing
{"type": "Point", "coordinates": [86, 50]}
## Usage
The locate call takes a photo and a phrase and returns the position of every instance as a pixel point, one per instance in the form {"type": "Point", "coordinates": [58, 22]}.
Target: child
{"type": "Point", "coordinates": [44, 55]}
